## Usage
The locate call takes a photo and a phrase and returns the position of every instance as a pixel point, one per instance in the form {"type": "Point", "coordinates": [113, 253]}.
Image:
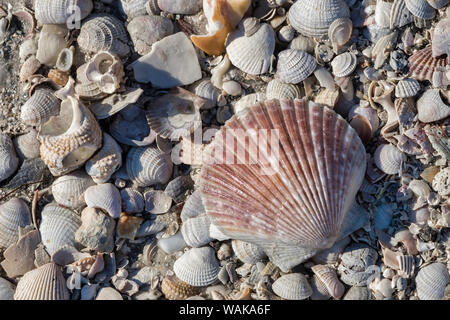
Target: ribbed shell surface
{"type": "Point", "coordinates": [40, 107]}
{"type": "Point", "coordinates": [193, 206]}
{"type": "Point", "coordinates": [8, 157]}
{"type": "Point", "coordinates": [277, 89]}
{"type": "Point", "coordinates": [104, 196]}
{"type": "Point", "coordinates": [195, 231]}
{"type": "Point", "coordinates": [68, 189]}
{"type": "Point", "coordinates": [13, 214]}
{"type": "Point", "coordinates": [44, 283]}
{"type": "Point", "coordinates": [61, 11]}
{"type": "Point", "coordinates": [431, 281]}
{"type": "Point", "coordinates": [247, 252]}
{"type": "Point", "coordinates": [407, 88]}
{"type": "Point", "coordinates": [420, 9]}
{"type": "Point", "coordinates": [106, 161]}
{"type": "Point", "coordinates": [132, 8]}
{"type": "Point", "coordinates": [422, 64]}
{"type": "Point", "coordinates": [292, 286]}
{"type": "Point", "coordinates": [301, 199]}
{"type": "Point", "coordinates": [441, 38]}
{"type": "Point", "coordinates": [294, 66]}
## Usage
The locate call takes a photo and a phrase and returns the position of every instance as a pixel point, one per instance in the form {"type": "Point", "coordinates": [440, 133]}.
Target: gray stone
{"type": "Point", "coordinates": [96, 231]}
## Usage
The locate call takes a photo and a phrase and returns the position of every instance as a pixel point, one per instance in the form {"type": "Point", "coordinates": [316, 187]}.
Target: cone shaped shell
{"type": "Point", "coordinates": [44, 283]}
{"type": "Point", "coordinates": [13, 214]}
{"type": "Point", "coordinates": [68, 189]}
{"type": "Point", "coordinates": [422, 64]}
{"type": "Point", "coordinates": [293, 286]}
{"type": "Point", "coordinates": [104, 196]}
{"type": "Point", "coordinates": [431, 281]}
{"type": "Point", "coordinates": [62, 11]}
{"type": "Point", "coordinates": [294, 66]}
{"type": "Point", "coordinates": [9, 161]}
{"type": "Point", "coordinates": [299, 196]}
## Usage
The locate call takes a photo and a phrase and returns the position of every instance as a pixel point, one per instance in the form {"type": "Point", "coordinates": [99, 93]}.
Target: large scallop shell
{"type": "Point", "coordinates": [195, 231]}
{"type": "Point", "coordinates": [106, 161]}
{"type": "Point", "coordinates": [313, 18]}
{"type": "Point", "coordinates": [431, 281]}
{"type": "Point", "coordinates": [440, 44]}
{"type": "Point", "coordinates": [422, 64]}
{"type": "Point", "coordinates": [175, 289]}
{"type": "Point", "coordinates": [407, 88]}
{"type": "Point", "coordinates": [103, 32]}
{"type": "Point", "coordinates": [420, 9]}
{"type": "Point", "coordinates": [248, 208]}
{"type": "Point", "coordinates": [62, 11]}
{"type": "Point", "coordinates": [44, 283]}
{"type": "Point", "coordinates": [247, 252]}
{"type": "Point", "coordinates": [292, 286]}
{"type": "Point", "coordinates": [68, 189]}
{"type": "Point", "coordinates": [8, 158]}
{"type": "Point", "coordinates": [198, 267]}
{"type": "Point", "coordinates": [58, 227]}
{"type": "Point", "coordinates": [389, 159]}
{"type": "Point", "coordinates": [104, 196]}
{"type": "Point", "coordinates": [147, 166]}
{"type": "Point", "coordinates": [344, 64]}
{"type": "Point", "coordinates": [40, 107]}
{"type": "Point", "coordinates": [69, 139]}
{"type": "Point", "coordinates": [13, 214]}
{"type": "Point", "coordinates": [294, 66]}
{"type": "Point", "coordinates": [251, 54]}
{"type": "Point", "coordinates": [431, 107]}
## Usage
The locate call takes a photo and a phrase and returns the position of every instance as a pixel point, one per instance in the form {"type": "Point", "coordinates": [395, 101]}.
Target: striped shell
{"type": "Point", "coordinates": [422, 64]}
{"type": "Point", "coordinates": [44, 283]}
{"type": "Point", "coordinates": [198, 267]}
{"type": "Point", "coordinates": [132, 8]}
{"type": "Point", "coordinates": [431, 107]}
{"type": "Point", "coordinates": [102, 32]}
{"type": "Point", "coordinates": [294, 66]}
{"type": "Point", "coordinates": [235, 204]}
{"type": "Point", "coordinates": [420, 9]}
{"type": "Point", "coordinates": [193, 206]}
{"type": "Point", "coordinates": [399, 15]}
{"type": "Point", "coordinates": [175, 289]}
{"type": "Point", "coordinates": [344, 64]}
{"type": "Point", "coordinates": [40, 107]}
{"type": "Point", "coordinates": [195, 231]}
{"type": "Point", "coordinates": [406, 265]}
{"type": "Point", "coordinates": [340, 32]}
{"type": "Point", "coordinates": [147, 166]}
{"type": "Point", "coordinates": [13, 214]}
{"type": "Point", "coordinates": [247, 252]}
{"type": "Point", "coordinates": [8, 158]}
{"type": "Point", "coordinates": [440, 44]}
{"type": "Point", "coordinates": [104, 196]}
{"type": "Point", "coordinates": [205, 89]}
{"type": "Point", "coordinates": [292, 286]}
{"type": "Point", "coordinates": [68, 189]}
{"type": "Point", "coordinates": [431, 281]}
{"type": "Point", "coordinates": [157, 201]}
{"type": "Point", "coordinates": [62, 11]}
{"type": "Point", "coordinates": [438, 4]}
{"type": "Point", "coordinates": [132, 200]}
{"type": "Point", "coordinates": [320, 291]}
{"type": "Point", "coordinates": [407, 88]}
{"type": "Point", "coordinates": [277, 89]}
{"type": "Point", "coordinates": [106, 161]}
{"type": "Point", "coordinates": [251, 54]}
{"type": "Point", "coordinates": [330, 279]}
{"type": "Point", "coordinates": [388, 158]}
{"type": "Point", "coordinates": [313, 18]}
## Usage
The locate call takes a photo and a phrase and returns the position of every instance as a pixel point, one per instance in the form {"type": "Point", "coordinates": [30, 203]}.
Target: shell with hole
{"type": "Point", "coordinates": [13, 214]}
{"type": "Point", "coordinates": [62, 11]}
{"type": "Point", "coordinates": [40, 107]}
{"type": "Point", "coordinates": [431, 107]}
{"type": "Point", "coordinates": [68, 189]}
{"type": "Point", "coordinates": [292, 286]}
{"type": "Point", "coordinates": [294, 66]}
{"type": "Point", "coordinates": [104, 196]}
{"type": "Point", "coordinates": [106, 161]}
{"type": "Point", "coordinates": [106, 69]}
{"type": "Point", "coordinates": [399, 15]}
{"type": "Point", "coordinates": [8, 157]}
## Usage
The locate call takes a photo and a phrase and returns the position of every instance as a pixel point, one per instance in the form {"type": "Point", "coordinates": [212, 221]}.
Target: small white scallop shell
{"type": "Point", "coordinates": [389, 159]}
{"type": "Point", "coordinates": [431, 281]}
{"type": "Point", "coordinates": [292, 286]}
{"type": "Point", "coordinates": [195, 231]}
{"type": "Point", "coordinates": [104, 196]}
{"type": "Point", "coordinates": [68, 189]}
{"type": "Point", "coordinates": [420, 9]}
{"type": "Point", "coordinates": [147, 166]}
{"type": "Point", "coordinates": [431, 107]}
{"type": "Point", "coordinates": [277, 89]}
{"type": "Point", "coordinates": [40, 107]}
{"type": "Point", "coordinates": [58, 227]}
{"type": "Point", "coordinates": [247, 252]}
{"type": "Point", "coordinates": [132, 200]}
{"type": "Point", "coordinates": [330, 279]}
{"type": "Point", "coordinates": [13, 214]}
{"type": "Point", "coordinates": [106, 161]}
{"type": "Point", "coordinates": [193, 206]}
{"type": "Point", "coordinates": [8, 158]}
{"type": "Point", "coordinates": [441, 182]}
{"type": "Point", "coordinates": [198, 267]}
{"type": "Point", "coordinates": [407, 88]}
{"type": "Point", "coordinates": [44, 283]}
{"type": "Point", "coordinates": [340, 32]}
{"type": "Point", "coordinates": [294, 66]}
{"type": "Point", "coordinates": [157, 201]}
{"type": "Point", "coordinates": [62, 11]}
{"type": "Point", "coordinates": [344, 64]}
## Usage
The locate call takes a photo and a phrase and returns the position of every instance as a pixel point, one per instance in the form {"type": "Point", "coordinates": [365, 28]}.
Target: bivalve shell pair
{"type": "Point", "coordinates": [294, 66]}
{"type": "Point", "coordinates": [68, 189]}
{"type": "Point", "coordinates": [106, 161]}
{"type": "Point", "coordinates": [292, 286]}
{"type": "Point", "coordinates": [62, 11]}
{"type": "Point", "coordinates": [431, 107]}
{"type": "Point", "coordinates": [40, 107]}
{"type": "Point", "coordinates": [13, 214]}
{"type": "Point", "coordinates": [431, 281]}
{"type": "Point", "coordinates": [344, 64]}
{"type": "Point", "coordinates": [9, 160]}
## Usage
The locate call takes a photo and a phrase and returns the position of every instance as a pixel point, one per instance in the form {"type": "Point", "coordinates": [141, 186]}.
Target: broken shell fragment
{"type": "Point", "coordinates": [407, 88]}
{"type": "Point", "coordinates": [9, 161]}
{"type": "Point", "coordinates": [431, 107]}
{"type": "Point", "coordinates": [106, 161]}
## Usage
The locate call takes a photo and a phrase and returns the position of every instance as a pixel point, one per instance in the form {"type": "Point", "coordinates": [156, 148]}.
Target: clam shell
{"type": "Point", "coordinates": [340, 32]}
{"type": "Point", "coordinates": [294, 66]}
{"type": "Point", "coordinates": [205, 90]}
{"type": "Point", "coordinates": [431, 107]}
{"type": "Point", "coordinates": [344, 64]}
{"type": "Point", "coordinates": [247, 252]}
{"type": "Point", "coordinates": [420, 9]}
{"type": "Point", "coordinates": [68, 189]}
{"type": "Point", "coordinates": [198, 267]}
{"type": "Point", "coordinates": [13, 214]}
{"type": "Point", "coordinates": [62, 11]}
{"type": "Point", "coordinates": [44, 283]}
{"type": "Point", "coordinates": [235, 205]}
{"type": "Point", "coordinates": [132, 200]}
{"type": "Point", "coordinates": [277, 89]}
{"type": "Point", "coordinates": [69, 139]}
{"type": "Point", "coordinates": [431, 281]}
{"type": "Point", "coordinates": [399, 15]}
{"type": "Point", "coordinates": [441, 182]}
{"type": "Point", "coordinates": [40, 107]}
{"type": "Point", "coordinates": [147, 166]}
{"type": "Point", "coordinates": [146, 30]}
{"type": "Point", "coordinates": [195, 231]}
{"type": "Point", "coordinates": [251, 54]}
{"type": "Point", "coordinates": [103, 32]}
{"type": "Point", "coordinates": [157, 201]}
{"type": "Point", "coordinates": [7, 290]}
{"type": "Point", "coordinates": [330, 279]}
{"type": "Point", "coordinates": [58, 227]}
{"type": "Point", "coordinates": [320, 291]}
{"type": "Point", "coordinates": [389, 159]}
{"type": "Point", "coordinates": [104, 196]}
{"type": "Point", "coordinates": [27, 145]}
{"type": "Point", "coordinates": [132, 8]}
{"type": "Point", "coordinates": [292, 286]}
{"type": "Point", "coordinates": [313, 18]}
{"type": "Point", "coordinates": [8, 158]}
{"type": "Point", "coordinates": [407, 88]}
{"type": "Point", "coordinates": [422, 64]}
{"type": "Point", "coordinates": [106, 161]}
{"type": "Point", "coordinates": [175, 289]}
{"type": "Point", "coordinates": [193, 206]}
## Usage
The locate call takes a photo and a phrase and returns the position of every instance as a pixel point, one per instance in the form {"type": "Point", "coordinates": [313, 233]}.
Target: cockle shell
{"type": "Point", "coordinates": [205, 90]}
{"type": "Point", "coordinates": [389, 159]}
{"type": "Point", "coordinates": [157, 201]}
{"type": "Point", "coordinates": [58, 227]}
{"type": "Point", "coordinates": [103, 32]}
{"type": "Point", "coordinates": [422, 64]}
{"type": "Point", "coordinates": [175, 289]}
{"type": "Point", "coordinates": [247, 252]}
{"type": "Point", "coordinates": [223, 17]}
{"type": "Point", "coordinates": [68, 189]}
{"type": "Point", "coordinates": [407, 88]}
{"type": "Point", "coordinates": [235, 205]}
{"type": "Point", "coordinates": [294, 66]}
{"type": "Point", "coordinates": [431, 281]}
{"type": "Point", "coordinates": [13, 214]}
{"type": "Point", "coordinates": [147, 166]}
{"type": "Point", "coordinates": [420, 9]}
{"type": "Point", "coordinates": [399, 15]}
{"type": "Point", "coordinates": [104, 196]}
{"type": "Point", "coordinates": [40, 107]}
{"type": "Point", "coordinates": [277, 89]}
{"type": "Point", "coordinates": [44, 283]}
{"type": "Point", "coordinates": [198, 267]}
{"type": "Point", "coordinates": [106, 69]}
{"type": "Point", "coordinates": [132, 8]}
{"type": "Point", "coordinates": [313, 18]}
{"type": "Point", "coordinates": [195, 231]}
{"type": "Point", "coordinates": [146, 30]}
{"type": "Point", "coordinates": [132, 200]}
{"type": "Point", "coordinates": [344, 64]}
{"type": "Point", "coordinates": [9, 160]}
{"type": "Point", "coordinates": [441, 182]}
{"type": "Point", "coordinates": [329, 277]}
{"type": "Point", "coordinates": [193, 206]}
{"type": "Point", "coordinates": [69, 139]}
{"type": "Point", "coordinates": [431, 107]}
{"type": "Point", "coordinates": [106, 161]}
{"type": "Point", "coordinates": [62, 11]}
{"type": "Point", "coordinates": [292, 286]}
{"type": "Point", "coordinates": [52, 39]}
{"type": "Point", "coordinates": [27, 145]}
{"type": "Point", "coordinates": [251, 54]}
{"type": "Point", "coordinates": [339, 33]}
